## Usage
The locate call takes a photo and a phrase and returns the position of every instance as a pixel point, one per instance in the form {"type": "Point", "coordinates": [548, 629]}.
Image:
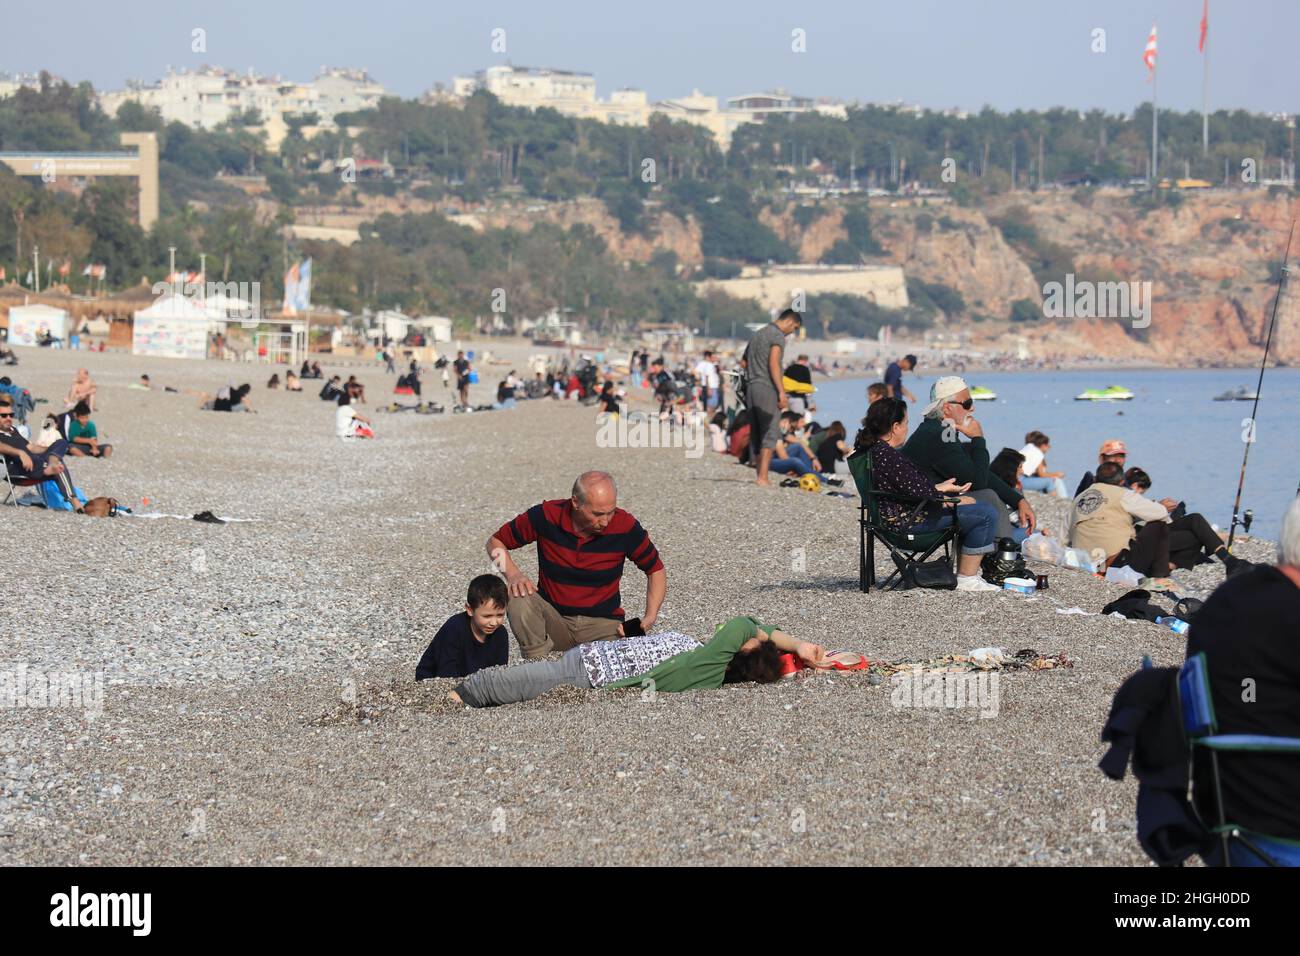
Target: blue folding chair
{"type": "Point", "coordinates": [1200, 725]}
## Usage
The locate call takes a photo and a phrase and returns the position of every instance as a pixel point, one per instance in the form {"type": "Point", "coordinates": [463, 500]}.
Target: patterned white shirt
{"type": "Point", "coordinates": [609, 661]}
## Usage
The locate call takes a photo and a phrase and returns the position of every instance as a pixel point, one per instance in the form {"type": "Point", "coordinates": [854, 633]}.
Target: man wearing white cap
{"type": "Point", "coordinates": [937, 448]}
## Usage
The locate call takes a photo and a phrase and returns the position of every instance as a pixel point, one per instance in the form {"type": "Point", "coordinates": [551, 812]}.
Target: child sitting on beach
{"type": "Point", "coordinates": [348, 424]}
{"type": "Point", "coordinates": [742, 650]}
{"type": "Point", "coordinates": [473, 639]}
{"type": "Point", "coordinates": [83, 439]}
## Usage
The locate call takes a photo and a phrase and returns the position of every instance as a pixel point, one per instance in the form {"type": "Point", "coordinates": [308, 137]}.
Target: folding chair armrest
{"type": "Point", "coordinates": [1250, 743]}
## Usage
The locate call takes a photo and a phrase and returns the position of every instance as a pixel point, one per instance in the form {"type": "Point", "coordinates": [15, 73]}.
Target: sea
{"type": "Point", "coordinates": [1190, 445]}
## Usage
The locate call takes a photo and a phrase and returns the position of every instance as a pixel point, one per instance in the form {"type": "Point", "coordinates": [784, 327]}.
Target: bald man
{"type": "Point", "coordinates": [582, 542]}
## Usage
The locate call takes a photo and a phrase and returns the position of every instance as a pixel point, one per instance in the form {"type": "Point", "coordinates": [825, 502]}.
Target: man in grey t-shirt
{"type": "Point", "coordinates": [766, 394]}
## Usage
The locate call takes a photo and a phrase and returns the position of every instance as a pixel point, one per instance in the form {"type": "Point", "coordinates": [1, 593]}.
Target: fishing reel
{"type": "Point", "coordinates": [1246, 519]}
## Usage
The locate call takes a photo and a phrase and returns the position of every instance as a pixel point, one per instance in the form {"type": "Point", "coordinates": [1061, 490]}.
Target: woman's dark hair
{"type": "Point", "coordinates": [238, 394]}
{"type": "Point", "coordinates": [835, 431]}
{"type": "Point", "coordinates": [762, 665]}
{"type": "Point", "coordinates": [1006, 464]}
{"type": "Point", "coordinates": [1037, 438]}
{"type": "Point", "coordinates": [882, 415]}
{"type": "Point", "coordinates": [1136, 476]}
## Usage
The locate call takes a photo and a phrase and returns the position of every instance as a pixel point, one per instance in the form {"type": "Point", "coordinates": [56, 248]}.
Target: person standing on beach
{"type": "Point", "coordinates": [766, 396]}
{"type": "Point", "coordinates": [582, 543]}
{"type": "Point", "coordinates": [894, 378]}
{"type": "Point", "coordinates": [461, 365]}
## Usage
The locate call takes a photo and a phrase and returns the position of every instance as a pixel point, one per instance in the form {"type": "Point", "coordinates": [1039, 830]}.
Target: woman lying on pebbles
{"type": "Point", "coordinates": [743, 649]}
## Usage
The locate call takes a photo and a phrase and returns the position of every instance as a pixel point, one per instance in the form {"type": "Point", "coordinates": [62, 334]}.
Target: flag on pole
{"type": "Point", "coordinates": [291, 291]}
{"type": "Point", "coordinates": [86, 271]}
{"type": "Point", "coordinates": [65, 268]}
{"type": "Point", "coordinates": [302, 298]}
{"type": "Point", "coordinates": [29, 276]}
{"type": "Point", "coordinates": [1149, 54]}
{"type": "Point", "coordinates": [1205, 25]}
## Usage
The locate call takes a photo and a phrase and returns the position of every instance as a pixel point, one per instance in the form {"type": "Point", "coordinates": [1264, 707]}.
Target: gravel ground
{"type": "Point", "coordinates": [258, 705]}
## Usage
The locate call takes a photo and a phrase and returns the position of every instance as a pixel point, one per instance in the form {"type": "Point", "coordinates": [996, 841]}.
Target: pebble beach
{"type": "Point", "coordinates": [258, 700]}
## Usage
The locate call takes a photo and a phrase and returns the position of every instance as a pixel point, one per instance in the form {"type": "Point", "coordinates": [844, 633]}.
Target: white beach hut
{"type": "Point", "coordinates": [27, 321]}
{"type": "Point", "coordinates": [173, 327]}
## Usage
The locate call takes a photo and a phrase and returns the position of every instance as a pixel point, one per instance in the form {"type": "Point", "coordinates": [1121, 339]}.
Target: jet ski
{"type": "Point", "coordinates": [1242, 394]}
{"type": "Point", "coordinates": [1111, 393]}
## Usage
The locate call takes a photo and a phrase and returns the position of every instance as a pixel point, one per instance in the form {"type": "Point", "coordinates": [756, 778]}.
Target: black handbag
{"type": "Point", "coordinates": [936, 575]}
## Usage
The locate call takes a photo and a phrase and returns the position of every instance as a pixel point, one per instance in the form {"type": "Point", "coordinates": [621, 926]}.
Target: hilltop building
{"type": "Point", "coordinates": [209, 96]}
{"type": "Point", "coordinates": [574, 94]}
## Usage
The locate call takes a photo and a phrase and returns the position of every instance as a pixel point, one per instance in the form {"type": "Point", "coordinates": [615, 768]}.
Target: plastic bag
{"type": "Point", "coordinates": [1076, 558]}
{"type": "Point", "coordinates": [1039, 547]}
{"type": "Point", "coordinates": [1123, 575]}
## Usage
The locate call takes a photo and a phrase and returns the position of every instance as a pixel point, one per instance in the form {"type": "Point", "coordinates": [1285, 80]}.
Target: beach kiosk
{"type": "Point", "coordinates": [27, 322]}
{"type": "Point", "coordinates": [172, 327]}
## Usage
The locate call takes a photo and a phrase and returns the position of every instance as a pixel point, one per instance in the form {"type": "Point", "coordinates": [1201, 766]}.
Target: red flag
{"type": "Point", "coordinates": [1205, 25]}
{"type": "Point", "coordinates": [1149, 54]}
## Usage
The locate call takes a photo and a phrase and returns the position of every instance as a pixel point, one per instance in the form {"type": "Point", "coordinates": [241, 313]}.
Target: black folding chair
{"type": "Point", "coordinates": [907, 548]}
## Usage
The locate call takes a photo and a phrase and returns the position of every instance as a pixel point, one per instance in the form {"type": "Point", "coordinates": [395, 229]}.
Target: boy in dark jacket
{"type": "Point", "coordinates": [471, 640]}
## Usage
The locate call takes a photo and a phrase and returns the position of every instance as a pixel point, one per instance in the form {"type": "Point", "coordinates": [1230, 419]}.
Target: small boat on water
{"type": "Point", "coordinates": [982, 394]}
{"type": "Point", "coordinates": [1111, 393]}
{"type": "Point", "coordinates": [1242, 394]}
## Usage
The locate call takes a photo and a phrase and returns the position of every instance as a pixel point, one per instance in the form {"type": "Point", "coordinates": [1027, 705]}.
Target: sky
{"type": "Point", "coordinates": [1008, 54]}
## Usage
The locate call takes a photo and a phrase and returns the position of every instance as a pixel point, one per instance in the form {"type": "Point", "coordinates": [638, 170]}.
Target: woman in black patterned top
{"type": "Point", "coordinates": [883, 433]}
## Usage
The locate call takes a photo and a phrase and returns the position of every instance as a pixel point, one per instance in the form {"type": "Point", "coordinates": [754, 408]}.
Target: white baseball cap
{"type": "Point", "coordinates": [944, 389]}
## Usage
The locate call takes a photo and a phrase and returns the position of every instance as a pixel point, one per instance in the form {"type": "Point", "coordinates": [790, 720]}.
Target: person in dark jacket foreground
{"type": "Point", "coordinates": [1249, 633]}
{"type": "Point", "coordinates": [1246, 631]}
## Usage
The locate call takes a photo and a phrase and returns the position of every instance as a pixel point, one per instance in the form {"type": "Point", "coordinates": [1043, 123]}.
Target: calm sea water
{"type": "Point", "coordinates": [1190, 444]}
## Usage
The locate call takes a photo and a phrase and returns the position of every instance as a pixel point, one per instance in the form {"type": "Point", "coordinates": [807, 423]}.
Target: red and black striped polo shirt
{"type": "Point", "coordinates": [581, 575]}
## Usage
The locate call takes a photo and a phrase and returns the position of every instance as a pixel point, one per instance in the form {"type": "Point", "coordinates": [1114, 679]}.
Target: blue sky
{"type": "Point", "coordinates": [1008, 54]}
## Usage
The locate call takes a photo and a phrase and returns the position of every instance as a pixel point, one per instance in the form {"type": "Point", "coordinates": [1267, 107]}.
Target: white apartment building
{"type": "Point", "coordinates": [531, 87]}
{"type": "Point", "coordinates": [574, 94]}
{"type": "Point", "coordinates": [11, 83]}
{"type": "Point", "coordinates": [207, 97]}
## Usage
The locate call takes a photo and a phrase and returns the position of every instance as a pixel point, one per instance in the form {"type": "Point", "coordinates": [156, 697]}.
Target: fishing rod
{"type": "Point", "coordinates": [1268, 341]}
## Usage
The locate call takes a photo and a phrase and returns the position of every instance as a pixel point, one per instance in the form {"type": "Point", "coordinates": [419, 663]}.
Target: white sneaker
{"type": "Point", "coordinates": [973, 582]}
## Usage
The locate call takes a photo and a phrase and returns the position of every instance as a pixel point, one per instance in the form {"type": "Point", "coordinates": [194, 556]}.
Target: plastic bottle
{"type": "Point", "coordinates": [1175, 624]}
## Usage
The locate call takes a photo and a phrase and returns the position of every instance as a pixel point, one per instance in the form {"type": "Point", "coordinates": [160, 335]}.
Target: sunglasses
{"type": "Point", "coordinates": [967, 405]}
{"type": "Point", "coordinates": [6, 414]}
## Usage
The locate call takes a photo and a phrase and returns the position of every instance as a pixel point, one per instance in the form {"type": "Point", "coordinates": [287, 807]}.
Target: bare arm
{"type": "Point", "coordinates": [518, 583]}
{"type": "Point", "coordinates": [656, 588]}
{"type": "Point", "coordinates": [810, 653]}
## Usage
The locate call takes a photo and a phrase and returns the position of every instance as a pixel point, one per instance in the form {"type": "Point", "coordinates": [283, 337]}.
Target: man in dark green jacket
{"type": "Point", "coordinates": [936, 447]}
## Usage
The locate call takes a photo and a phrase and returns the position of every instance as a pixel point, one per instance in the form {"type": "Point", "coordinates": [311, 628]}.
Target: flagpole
{"type": "Point", "coordinates": [1155, 118]}
{"type": "Point", "coordinates": [1205, 86]}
